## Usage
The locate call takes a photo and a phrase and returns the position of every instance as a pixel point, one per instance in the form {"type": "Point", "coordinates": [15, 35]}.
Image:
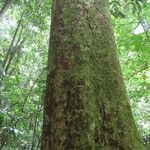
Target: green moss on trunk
{"type": "Point", "coordinates": [86, 105]}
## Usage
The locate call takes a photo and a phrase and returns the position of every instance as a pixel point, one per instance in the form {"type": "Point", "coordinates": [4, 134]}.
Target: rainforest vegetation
{"type": "Point", "coordinates": [83, 65]}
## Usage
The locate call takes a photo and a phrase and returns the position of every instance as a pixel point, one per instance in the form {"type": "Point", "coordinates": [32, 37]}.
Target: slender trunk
{"type": "Point", "coordinates": [5, 6]}
{"type": "Point", "coordinates": [86, 104]}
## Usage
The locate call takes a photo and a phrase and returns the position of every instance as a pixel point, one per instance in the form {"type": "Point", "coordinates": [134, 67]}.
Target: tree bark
{"type": "Point", "coordinates": [86, 104]}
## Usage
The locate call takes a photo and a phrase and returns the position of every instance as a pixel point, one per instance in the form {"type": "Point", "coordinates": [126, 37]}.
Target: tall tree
{"type": "Point", "coordinates": [86, 104]}
{"type": "Point", "coordinates": [5, 6]}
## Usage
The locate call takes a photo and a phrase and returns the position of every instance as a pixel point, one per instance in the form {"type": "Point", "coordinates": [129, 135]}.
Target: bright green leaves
{"type": "Point", "coordinates": [116, 9]}
{"type": "Point", "coordinates": [134, 52]}
{"type": "Point", "coordinates": [22, 85]}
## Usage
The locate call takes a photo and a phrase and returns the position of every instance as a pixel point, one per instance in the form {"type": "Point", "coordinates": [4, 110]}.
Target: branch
{"type": "Point", "coordinates": [28, 94]}
{"type": "Point", "coordinates": [8, 54]}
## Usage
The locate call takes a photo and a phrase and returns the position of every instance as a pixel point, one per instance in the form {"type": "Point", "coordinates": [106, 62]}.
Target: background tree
{"type": "Point", "coordinates": [5, 6]}
{"type": "Point", "coordinates": [86, 105]}
{"type": "Point", "coordinates": [23, 73]}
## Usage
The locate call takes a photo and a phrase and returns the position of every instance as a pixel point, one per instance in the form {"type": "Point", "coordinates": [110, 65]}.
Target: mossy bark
{"type": "Point", "coordinates": [86, 104]}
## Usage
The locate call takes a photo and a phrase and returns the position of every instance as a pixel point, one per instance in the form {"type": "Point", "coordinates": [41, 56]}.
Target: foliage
{"type": "Point", "coordinates": [133, 44]}
{"type": "Point", "coordinates": [24, 45]}
{"type": "Point", "coordinates": [24, 35]}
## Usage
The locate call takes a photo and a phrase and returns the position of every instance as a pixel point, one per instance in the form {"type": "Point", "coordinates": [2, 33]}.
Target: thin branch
{"type": "Point", "coordinates": [139, 17]}
{"type": "Point", "coordinates": [28, 94]}
{"type": "Point", "coordinates": [132, 75]}
{"type": "Point", "coordinates": [12, 42]}
{"type": "Point", "coordinates": [12, 56]}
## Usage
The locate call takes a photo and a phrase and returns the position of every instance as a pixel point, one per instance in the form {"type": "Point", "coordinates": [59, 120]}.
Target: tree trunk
{"type": "Point", "coordinates": [5, 6]}
{"type": "Point", "coordinates": [86, 104]}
